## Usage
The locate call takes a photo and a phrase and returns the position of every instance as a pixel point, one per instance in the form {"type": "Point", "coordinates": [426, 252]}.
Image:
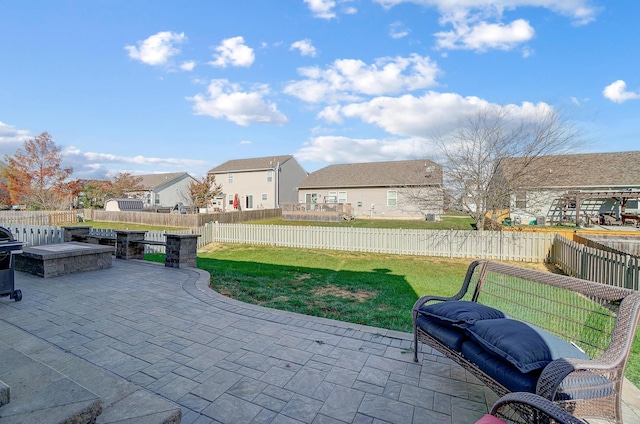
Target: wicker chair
{"type": "Point", "coordinates": [528, 408]}
{"type": "Point", "coordinates": [601, 319]}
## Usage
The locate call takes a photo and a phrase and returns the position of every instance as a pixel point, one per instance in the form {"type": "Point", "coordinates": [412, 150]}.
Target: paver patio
{"type": "Point", "coordinates": [225, 361]}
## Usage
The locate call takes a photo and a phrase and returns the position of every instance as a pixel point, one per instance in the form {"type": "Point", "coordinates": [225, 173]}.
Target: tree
{"type": "Point", "coordinates": [200, 192]}
{"type": "Point", "coordinates": [475, 151]}
{"type": "Point", "coordinates": [35, 176]}
{"type": "Point", "coordinates": [123, 184]}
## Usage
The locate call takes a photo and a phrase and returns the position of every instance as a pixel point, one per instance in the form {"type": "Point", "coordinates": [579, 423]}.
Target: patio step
{"type": "Point", "coordinates": [48, 383]}
{"type": "Point", "coordinates": [41, 394]}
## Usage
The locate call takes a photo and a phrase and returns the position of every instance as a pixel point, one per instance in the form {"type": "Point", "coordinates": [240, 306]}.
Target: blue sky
{"type": "Point", "coordinates": [164, 86]}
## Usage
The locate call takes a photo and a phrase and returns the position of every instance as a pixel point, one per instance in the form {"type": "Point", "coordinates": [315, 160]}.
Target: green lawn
{"type": "Point", "coordinates": [373, 289]}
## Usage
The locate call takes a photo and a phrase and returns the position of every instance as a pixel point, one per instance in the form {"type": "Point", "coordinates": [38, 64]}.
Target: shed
{"type": "Point", "coordinates": [123, 205]}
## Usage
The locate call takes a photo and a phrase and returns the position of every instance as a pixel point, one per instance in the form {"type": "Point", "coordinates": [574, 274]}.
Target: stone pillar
{"type": "Point", "coordinates": [71, 232]}
{"type": "Point", "coordinates": [127, 250]}
{"type": "Point", "coordinates": [181, 250]}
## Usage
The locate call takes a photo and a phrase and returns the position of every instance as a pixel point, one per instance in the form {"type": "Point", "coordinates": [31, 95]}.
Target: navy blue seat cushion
{"type": "Point", "coordinates": [460, 313]}
{"type": "Point", "coordinates": [525, 346]}
{"type": "Point", "coordinates": [449, 336]}
{"type": "Point", "coordinates": [499, 369]}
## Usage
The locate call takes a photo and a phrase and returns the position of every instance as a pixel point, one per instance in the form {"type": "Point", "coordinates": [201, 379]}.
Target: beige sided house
{"type": "Point", "coordinates": [398, 189]}
{"type": "Point", "coordinates": [164, 190]}
{"type": "Point", "coordinates": [594, 183]}
{"type": "Point", "coordinates": [257, 183]}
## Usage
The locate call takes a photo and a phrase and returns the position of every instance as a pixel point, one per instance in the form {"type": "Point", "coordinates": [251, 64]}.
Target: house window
{"type": "Point", "coordinates": [157, 198]}
{"type": "Point", "coordinates": [311, 198]}
{"type": "Point", "coordinates": [230, 178]}
{"type": "Point", "coordinates": [342, 197]}
{"type": "Point", "coordinates": [332, 197]}
{"type": "Point", "coordinates": [269, 175]}
{"type": "Point", "coordinates": [248, 201]}
{"type": "Point", "coordinates": [521, 200]}
{"type": "Point", "coordinates": [392, 197]}
{"type": "Point", "coordinates": [230, 199]}
{"type": "Point", "coordinates": [264, 197]}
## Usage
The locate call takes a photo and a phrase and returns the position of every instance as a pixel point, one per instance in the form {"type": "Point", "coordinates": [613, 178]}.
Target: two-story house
{"type": "Point", "coordinates": [257, 183]}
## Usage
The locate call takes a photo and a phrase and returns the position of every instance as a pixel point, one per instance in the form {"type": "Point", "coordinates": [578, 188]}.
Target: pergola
{"type": "Point", "coordinates": [578, 196]}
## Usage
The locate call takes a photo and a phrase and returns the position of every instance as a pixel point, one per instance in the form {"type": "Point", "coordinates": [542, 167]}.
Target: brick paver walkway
{"type": "Point", "coordinates": [225, 361]}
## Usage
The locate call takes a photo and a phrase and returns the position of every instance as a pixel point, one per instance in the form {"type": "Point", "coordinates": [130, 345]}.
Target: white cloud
{"type": "Point", "coordinates": [398, 30]}
{"type": "Point", "coordinates": [418, 116]}
{"type": "Point", "coordinates": [228, 101]}
{"type": "Point", "coordinates": [617, 92]}
{"type": "Point", "coordinates": [96, 158]}
{"type": "Point", "coordinates": [188, 65]}
{"type": "Point", "coordinates": [346, 79]}
{"type": "Point", "coordinates": [305, 47]}
{"type": "Point", "coordinates": [322, 8]}
{"type": "Point", "coordinates": [157, 49]}
{"type": "Point", "coordinates": [233, 51]}
{"type": "Point", "coordinates": [336, 149]}
{"type": "Point", "coordinates": [483, 36]}
{"type": "Point", "coordinates": [11, 139]}
{"type": "Point", "coordinates": [477, 24]}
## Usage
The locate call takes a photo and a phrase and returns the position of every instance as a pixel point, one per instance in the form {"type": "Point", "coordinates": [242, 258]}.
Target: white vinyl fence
{"type": "Point", "coordinates": [36, 235]}
{"type": "Point", "coordinates": [591, 263]}
{"type": "Point", "coordinates": [509, 246]}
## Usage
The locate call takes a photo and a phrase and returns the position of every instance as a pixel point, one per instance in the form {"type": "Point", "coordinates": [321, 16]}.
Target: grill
{"type": "Point", "coordinates": [8, 247]}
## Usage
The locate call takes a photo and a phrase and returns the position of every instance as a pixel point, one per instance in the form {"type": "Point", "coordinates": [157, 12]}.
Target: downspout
{"type": "Point", "coordinates": [277, 187]}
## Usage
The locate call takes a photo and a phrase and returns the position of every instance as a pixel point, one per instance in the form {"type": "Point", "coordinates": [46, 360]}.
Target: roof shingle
{"type": "Point", "coordinates": [253, 164]}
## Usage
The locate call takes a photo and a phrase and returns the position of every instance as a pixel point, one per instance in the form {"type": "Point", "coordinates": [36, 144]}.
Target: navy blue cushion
{"type": "Point", "coordinates": [499, 369]}
{"type": "Point", "coordinates": [525, 346]}
{"type": "Point", "coordinates": [449, 336]}
{"type": "Point", "coordinates": [460, 313]}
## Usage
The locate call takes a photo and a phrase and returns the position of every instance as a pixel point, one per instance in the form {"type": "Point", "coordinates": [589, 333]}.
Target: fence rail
{"type": "Point", "coordinates": [510, 246]}
{"type": "Point", "coordinates": [38, 217]}
{"type": "Point", "coordinates": [605, 266]}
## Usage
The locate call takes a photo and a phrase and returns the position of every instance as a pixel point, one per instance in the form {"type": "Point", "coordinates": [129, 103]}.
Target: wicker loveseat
{"type": "Point", "coordinates": [521, 330]}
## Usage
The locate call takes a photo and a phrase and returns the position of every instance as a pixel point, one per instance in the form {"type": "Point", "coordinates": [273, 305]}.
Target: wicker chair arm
{"type": "Point", "coordinates": [557, 371]}
{"type": "Point", "coordinates": [522, 407]}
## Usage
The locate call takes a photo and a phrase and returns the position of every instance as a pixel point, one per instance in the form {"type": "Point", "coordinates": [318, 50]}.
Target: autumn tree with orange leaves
{"type": "Point", "coordinates": [35, 177]}
{"type": "Point", "coordinates": [203, 190]}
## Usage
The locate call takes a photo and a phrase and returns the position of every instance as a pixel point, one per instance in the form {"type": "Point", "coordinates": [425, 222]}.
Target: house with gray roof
{"type": "Point", "coordinates": [602, 183]}
{"type": "Point", "coordinates": [258, 183]}
{"type": "Point", "coordinates": [164, 190]}
{"type": "Point", "coordinates": [394, 189]}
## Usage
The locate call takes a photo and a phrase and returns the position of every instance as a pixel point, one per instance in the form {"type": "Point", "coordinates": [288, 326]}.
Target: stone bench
{"type": "Point", "coordinates": [180, 249]}
{"type": "Point", "coordinates": [52, 260]}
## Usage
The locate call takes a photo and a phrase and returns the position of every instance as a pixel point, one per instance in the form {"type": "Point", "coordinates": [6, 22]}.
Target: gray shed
{"type": "Point", "coordinates": [123, 205]}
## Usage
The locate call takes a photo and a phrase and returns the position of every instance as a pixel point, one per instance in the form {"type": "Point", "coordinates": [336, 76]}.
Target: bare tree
{"type": "Point", "coordinates": [475, 154]}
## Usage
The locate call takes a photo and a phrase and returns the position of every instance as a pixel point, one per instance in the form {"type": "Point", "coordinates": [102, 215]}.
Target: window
{"type": "Point", "coordinates": [521, 200]}
{"type": "Point", "coordinates": [332, 197]}
{"type": "Point", "coordinates": [311, 198]}
{"type": "Point", "coordinates": [269, 175]}
{"type": "Point", "coordinates": [230, 178]}
{"type": "Point", "coordinates": [157, 198]}
{"type": "Point", "coordinates": [264, 197]}
{"type": "Point", "coordinates": [230, 199]}
{"type": "Point", "coordinates": [342, 197]}
{"type": "Point", "coordinates": [392, 198]}
{"type": "Point", "coordinates": [248, 204]}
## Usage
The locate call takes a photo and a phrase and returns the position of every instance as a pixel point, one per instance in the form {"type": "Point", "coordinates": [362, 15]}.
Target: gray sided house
{"type": "Point", "coordinates": [257, 183]}
{"type": "Point", "coordinates": [600, 183]}
{"type": "Point", "coordinates": [164, 190]}
{"type": "Point", "coordinates": [398, 189]}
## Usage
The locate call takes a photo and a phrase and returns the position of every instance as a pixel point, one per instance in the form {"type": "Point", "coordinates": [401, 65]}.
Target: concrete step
{"type": "Point", "coordinates": [5, 393]}
{"type": "Point", "coordinates": [121, 401]}
{"type": "Point", "coordinates": [41, 394]}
